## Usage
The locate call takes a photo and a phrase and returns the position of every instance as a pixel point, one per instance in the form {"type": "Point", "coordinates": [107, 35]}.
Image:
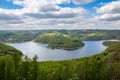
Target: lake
{"type": "Point", "coordinates": [46, 54]}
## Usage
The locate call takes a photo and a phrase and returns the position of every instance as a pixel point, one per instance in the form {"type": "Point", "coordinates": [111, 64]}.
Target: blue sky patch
{"type": "Point", "coordinates": [9, 5]}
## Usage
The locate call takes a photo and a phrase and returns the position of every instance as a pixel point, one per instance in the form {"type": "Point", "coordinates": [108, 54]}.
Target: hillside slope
{"type": "Point", "coordinates": [6, 49]}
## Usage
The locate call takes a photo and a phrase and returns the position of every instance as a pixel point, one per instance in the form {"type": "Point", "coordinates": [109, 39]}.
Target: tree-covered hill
{"type": "Point", "coordinates": [18, 36]}
{"type": "Point", "coordinates": [109, 43]}
{"type": "Point", "coordinates": [59, 41]}
{"type": "Point", "coordinates": [6, 49]}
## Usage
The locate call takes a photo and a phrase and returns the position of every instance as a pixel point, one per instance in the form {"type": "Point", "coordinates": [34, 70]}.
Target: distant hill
{"type": "Point", "coordinates": [28, 35]}
{"type": "Point", "coordinates": [96, 36]}
{"type": "Point", "coordinates": [59, 41]}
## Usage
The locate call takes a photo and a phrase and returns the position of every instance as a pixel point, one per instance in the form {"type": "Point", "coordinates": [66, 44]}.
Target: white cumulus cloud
{"type": "Point", "coordinates": [112, 7]}
{"type": "Point", "coordinates": [109, 11]}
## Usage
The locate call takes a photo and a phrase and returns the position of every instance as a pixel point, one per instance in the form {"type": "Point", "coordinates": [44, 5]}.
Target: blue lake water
{"type": "Point", "coordinates": [45, 54]}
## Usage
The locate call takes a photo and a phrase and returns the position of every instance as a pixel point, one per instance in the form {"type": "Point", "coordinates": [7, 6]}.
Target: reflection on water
{"type": "Point", "coordinates": [45, 54]}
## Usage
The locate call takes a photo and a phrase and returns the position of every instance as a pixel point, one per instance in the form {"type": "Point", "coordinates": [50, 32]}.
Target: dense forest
{"type": "Point", "coordinates": [103, 66]}
{"type": "Point", "coordinates": [22, 36]}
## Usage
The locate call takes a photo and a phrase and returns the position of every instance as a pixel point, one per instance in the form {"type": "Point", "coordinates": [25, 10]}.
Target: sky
{"type": "Point", "coordinates": [59, 14]}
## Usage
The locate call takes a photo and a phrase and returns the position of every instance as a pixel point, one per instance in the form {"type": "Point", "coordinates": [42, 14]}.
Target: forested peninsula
{"type": "Point", "coordinates": [59, 41]}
